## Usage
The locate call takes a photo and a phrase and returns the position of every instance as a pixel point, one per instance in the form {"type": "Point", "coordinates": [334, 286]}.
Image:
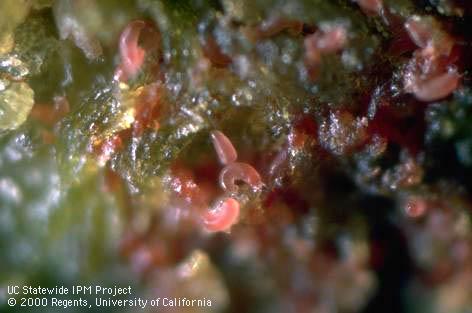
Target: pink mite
{"type": "Point", "coordinates": [420, 32]}
{"type": "Point", "coordinates": [427, 33]}
{"type": "Point", "coordinates": [437, 87]}
{"type": "Point", "coordinates": [416, 207]}
{"type": "Point", "coordinates": [327, 41]}
{"type": "Point", "coordinates": [332, 40]}
{"type": "Point", "coordinates": [224, 215]}
{"type": "Point", "coordinates": [132, 56]}
{"type": "Point", "coordinates": [370, 6]}
{"type": "Point", "coordinates": [235, 172]}
{"type": "Point", "coordinates": [223, 147]}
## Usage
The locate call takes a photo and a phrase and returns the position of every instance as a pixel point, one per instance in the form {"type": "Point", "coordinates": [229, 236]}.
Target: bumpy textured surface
{"type": "Point", "coordinates": [342, 176]}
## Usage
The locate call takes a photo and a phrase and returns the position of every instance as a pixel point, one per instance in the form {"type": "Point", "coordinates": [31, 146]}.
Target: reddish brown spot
{"type": "Point", "coordinates": [43, 113]}
{"type": "Point", "coordinates": [148, 109]}
{"type": "Point", "coordinates": [51, 114]}
{"type": "Point", "coordinates": [107, 148]}
{"type": "Point", "coordinates": [129, 243]}
{"type": "Point", "coordinates": [377, 254]}
{"type": "Point", "coordinates": [213, 52]}
{"type": "Point", "coordinates": [274, 26]}
{"type": "Point", "coordinates": [48, 137]}
{"type": "Point", "coordinates": [304, 128]}
{"type": "Point", "coordinates": [184, 186]}
{"type": "Point", "coordinates": [401, 42]}
{"type": "Point", "coordinates": [113, 181]}
{"type": "Point", "coordinates": [307, 125]}
{"type": "Point", "coordinates": [206, 171]}
{"type": "Point", "coordinates": [290, 197]}
{"type": "Point", "coordinates": [297, 139]}
{"type": "Point", "coordinates": [405, 128]}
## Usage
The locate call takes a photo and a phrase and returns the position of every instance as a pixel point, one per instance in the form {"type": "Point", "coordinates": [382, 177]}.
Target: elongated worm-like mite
{"type": "Point", "coordinates": [223, 147]}
{"type": "Point", "coordinates": [222, 216]}
{"type": "Point", "coordinates": [437, 87]}
{"type": "Point", "coordinates": [234, 172]}
{"type": "Point", "coordinates": [132, 55]}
